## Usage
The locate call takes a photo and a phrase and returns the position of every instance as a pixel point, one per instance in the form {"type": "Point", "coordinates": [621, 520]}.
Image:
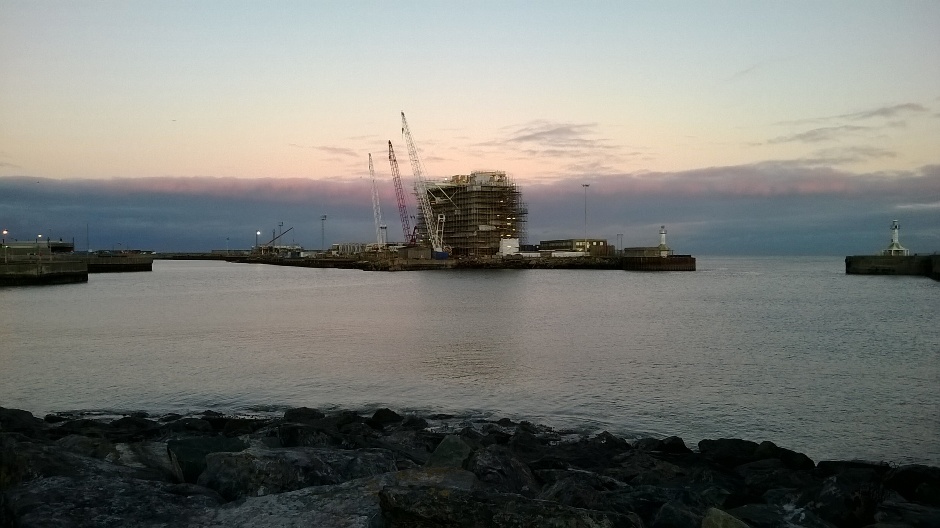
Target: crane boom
{"type": "Point", "coordinates": [376, 207]}
{"type": "Point", "coordinates": [400, 195]}
{"type": "Point", "coordinates": [434, 226]}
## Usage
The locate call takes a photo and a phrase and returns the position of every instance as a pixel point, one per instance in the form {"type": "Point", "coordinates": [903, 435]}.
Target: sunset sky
{"type": "Point", "coordinates": [748, 127]}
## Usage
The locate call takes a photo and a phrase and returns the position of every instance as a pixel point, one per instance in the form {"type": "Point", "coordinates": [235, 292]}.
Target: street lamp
{"type": "Point", "coordinates": [620, 243]}
{"type": "Point", "coordinates": [4, 244]}
{"type": "Point", "coordinates": [585, 185]}
{"type": "Point", "coordinates": [257, 234]}
{"type": "Point", "coordinates": [38, 247]}
{"type": "Point", "coordinates": [322, 232]}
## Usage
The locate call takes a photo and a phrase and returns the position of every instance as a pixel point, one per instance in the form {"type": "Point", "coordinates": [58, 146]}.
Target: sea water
{"type": "Point", "coordinates": [790, 350]}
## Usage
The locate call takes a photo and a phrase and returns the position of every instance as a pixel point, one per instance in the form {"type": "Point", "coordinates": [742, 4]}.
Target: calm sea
{"type": "Point", "coordinates": [784, 349]}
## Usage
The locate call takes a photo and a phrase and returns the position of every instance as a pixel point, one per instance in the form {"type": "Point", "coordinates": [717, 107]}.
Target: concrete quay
{"type": "Point", "coordinates": [917, 265]}
{"type": "Point", "coordinates": [31, 273]}
{"type": "Point", "coordinates": [670, 263]}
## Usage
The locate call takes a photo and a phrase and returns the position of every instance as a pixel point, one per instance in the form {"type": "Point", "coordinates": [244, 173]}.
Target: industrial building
{"type": "Point", "coordinates": [474, 212]}
{"type": "Point", "coordinates": [591, 246]}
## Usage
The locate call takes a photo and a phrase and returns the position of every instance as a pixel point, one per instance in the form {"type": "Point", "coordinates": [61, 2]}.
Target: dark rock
{"type": "Point", "coordinates": [771, 516]}
{"type": "Point", "coordinates": [242, 426]}
{"type": "Point", "coordinates": [672, 444]}
{"type": "Point", "coordinates": [715, 518]}
{"type": "Point", "coordinates": [17, 421]}
{"type": "Point", "coordinates": [729, 452]}
{"type": "Point", "coordinates": [383, 417]}
{"type": "Point", "coordinates": [900, 513]}
{"type": "Point", "coordinates": [426, 507]}
{"type": "Point", "coordinates": [189, 425]}
{"type": "Point", "coordinates": [82, 426]}
{"type": "Point", "coordinates": [577, 488]}
{"type": "Point", "coordinates": [849, 498]}
{"type": "Point", "coordinates": [302, 415]}
{"type": "Point", "coordinates": [414, 422]}
{"type": "Point", "coordinates": [131, 428]}
{"type": "Point", "coordinates": [259, 471]}
{"type": "Point", "coordinates": [828, 468]}
{"type": "Point", "coordinates": [97, 500]}
{"type": "Point", "coordinates": [502, 471]}
{"type": "Point", "coordinates": [170, 417]}
{"type": "Point", "coordinates": [100, 448]}
{"type": "Point", "coordinates": [916, 483]}
{"type": "Point", "coordinates": [453, 451]}
{"type": "Point", "coordinates": [790, 459]}
{"type": "Point", "coordinates": [772, 473]}
{"type": "Point", "coordinates": [189, 454]}
{"type": "Point", "coordinates": [301, 435]}
{"type": "Point", "coordinates": [54, 418]}
{"type": "Point", "coordinates": [675, 514]}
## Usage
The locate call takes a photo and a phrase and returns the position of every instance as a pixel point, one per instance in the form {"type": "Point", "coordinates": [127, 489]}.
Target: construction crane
{"type": "Point", "coordinates": [376, 209]}
{"type": "Point", "coordinates": [434, 226]}
{"type": "Point", "coordinates": [400, 194]}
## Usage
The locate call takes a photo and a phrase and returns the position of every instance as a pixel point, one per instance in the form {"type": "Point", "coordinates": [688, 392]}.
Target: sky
{"type": "Point", "coordinates": [752, 128]}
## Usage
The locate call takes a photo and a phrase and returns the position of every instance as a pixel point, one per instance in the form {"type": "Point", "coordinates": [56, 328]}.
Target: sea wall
{"type": "Point", "coordinates": [921, 265]}
{"type": "Point", "coordinates": [27, 273]}
{"type": "Point", "coordinates": [383, 469]}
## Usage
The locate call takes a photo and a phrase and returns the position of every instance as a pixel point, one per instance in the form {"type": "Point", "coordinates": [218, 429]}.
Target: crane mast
{"type": "Point", "coordinates": [376, 208]}
{"type": "Point", "coordinates": [400, 195]}
{"type": "Point", "coordinates": [434, 226]}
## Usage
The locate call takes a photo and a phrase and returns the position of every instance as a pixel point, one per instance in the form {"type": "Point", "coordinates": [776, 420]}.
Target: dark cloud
{"type": "Point", "coordinates": [881, 112]}
{"type": "Point", "coordinates": [775, 207]}
{"type": "Point", "coordinates": [819, 134]}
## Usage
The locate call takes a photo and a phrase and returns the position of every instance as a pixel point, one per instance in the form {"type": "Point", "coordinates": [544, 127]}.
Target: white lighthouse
{"type": "Point", "coordinates": [895, 249]}
{"type": "Point", "coordinates": [663, 248]}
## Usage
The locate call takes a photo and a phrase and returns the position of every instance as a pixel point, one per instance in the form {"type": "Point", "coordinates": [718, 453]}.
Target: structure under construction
{"type": "Point", "coordinates": [478, 210]}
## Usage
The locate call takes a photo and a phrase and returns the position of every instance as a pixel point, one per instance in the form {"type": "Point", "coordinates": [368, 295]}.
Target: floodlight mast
{"type": "Point", "coordinates": [433, 225]}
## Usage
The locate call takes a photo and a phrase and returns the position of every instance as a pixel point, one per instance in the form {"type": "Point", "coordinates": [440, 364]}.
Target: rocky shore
{"type": "Point", "coordinates": [379, 469]}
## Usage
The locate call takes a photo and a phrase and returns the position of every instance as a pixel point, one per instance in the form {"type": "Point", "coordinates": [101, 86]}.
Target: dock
{"type": "Point", "coordinates": [25, 273]}
{"type": "Point", "coordinates": [917, 265]}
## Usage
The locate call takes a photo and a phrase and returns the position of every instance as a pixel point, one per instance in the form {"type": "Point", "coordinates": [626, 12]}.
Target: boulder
{"type": "Point", "coordinates": [384, 417]}
{"type": "Point", "coordinates": [453, 451]}
{"type": "Point", "coordinates": [302, 415]}
{"type": "Point", "coordinates": [916, 482]}
{"type": "Point", "coordinates": [499, 469]}
{"type": "Point", "coordinates": [715, 518]}
{"type": "Point", "coordinates": [189, 454]}
{"type": "Point", "coordinates": [433, 506]}
{"type": "Point", "coordinates": [729, 452]}
{"type": "Point", "coordinates": [23, 422]}
{"type": "Point", "coordinates": [674, 514]}
{"type": "Point", "coordinates": [259, 471]}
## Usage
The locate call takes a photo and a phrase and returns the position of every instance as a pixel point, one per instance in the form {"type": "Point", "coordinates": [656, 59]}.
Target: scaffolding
{"type": "Point", "coordinates": [479, 210]}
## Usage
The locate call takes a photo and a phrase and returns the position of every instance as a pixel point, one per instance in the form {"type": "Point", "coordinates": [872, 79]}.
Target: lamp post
{"type": "Point", "coordinates": [4, 243]}
{"type": "Point", "coordinates": [322, 232]}
{"type": "Point", "coordinates": [38, 247]}
{"type": "Point", "coordinates": [585, 185]}
{"type": "Point", "coordinates": [620, 243]}
{"type": "Point", "coordinates": [257, 234]}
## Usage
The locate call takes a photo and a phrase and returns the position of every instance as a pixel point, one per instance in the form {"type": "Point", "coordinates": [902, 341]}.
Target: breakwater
{"type": "Point", "coordinates": [375, 263]}
{"type": "Point", "coordinates": [36, 272]}
{"type": "Point", "coordinates": [383, 469]}
{"type": "Point", "coordinates": [919, 265]}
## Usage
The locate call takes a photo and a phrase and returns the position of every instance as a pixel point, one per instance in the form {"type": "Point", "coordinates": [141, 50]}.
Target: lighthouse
{"type": "Point", "coordinates": [895, 249]}
{"type": "Point", "coordinates": [663, 248]}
